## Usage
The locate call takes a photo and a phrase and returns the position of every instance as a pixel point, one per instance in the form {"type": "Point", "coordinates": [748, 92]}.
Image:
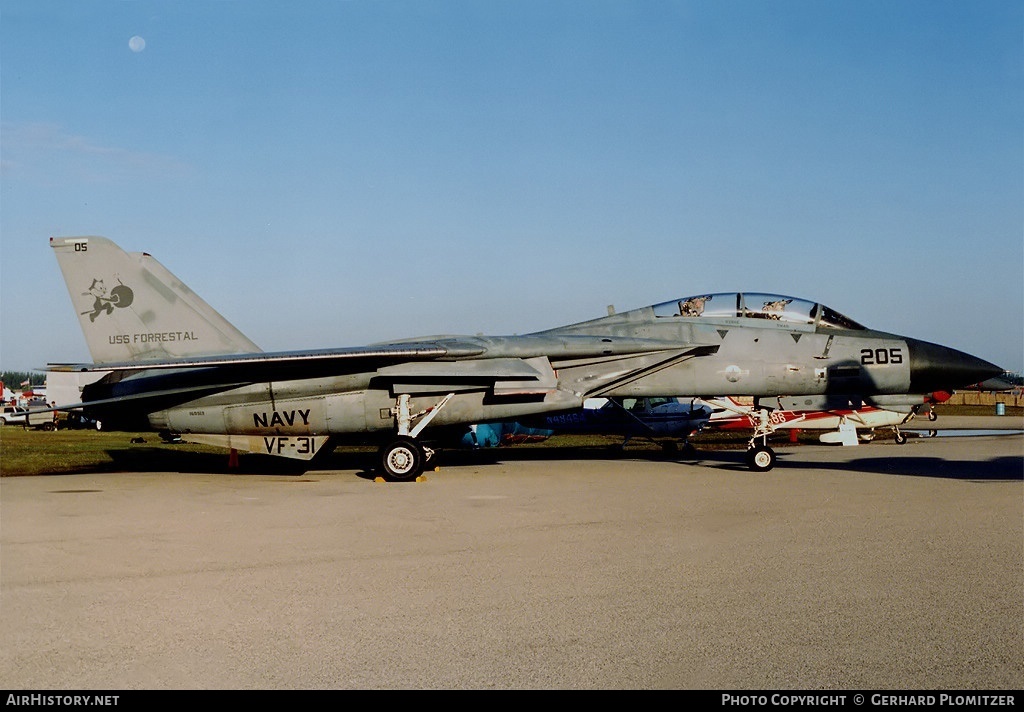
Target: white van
{"type": "Point", "coordinates": [20, 415]}
{"type": "Point", "coordinates": [13, 414]}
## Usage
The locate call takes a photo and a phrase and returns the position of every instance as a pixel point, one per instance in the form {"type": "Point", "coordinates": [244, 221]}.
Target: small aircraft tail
{"type": "Point", "coordinates": [131, 308]}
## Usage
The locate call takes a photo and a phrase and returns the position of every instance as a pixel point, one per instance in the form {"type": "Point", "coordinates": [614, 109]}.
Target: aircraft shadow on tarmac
{"type": "Point", "coordinates": [1006, 468]}
{"type": "Point", "coordinates": [164, 459]}
{"type": "Point", "coordinates": [999, 468]}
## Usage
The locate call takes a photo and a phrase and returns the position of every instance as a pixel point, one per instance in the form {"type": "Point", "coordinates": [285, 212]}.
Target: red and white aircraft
{"type": "Point", "coordinates": [843, 418]}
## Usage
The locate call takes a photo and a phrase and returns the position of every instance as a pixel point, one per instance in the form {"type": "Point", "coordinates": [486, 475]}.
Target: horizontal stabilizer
{"type": "Point", "coordinates": [143, 397]}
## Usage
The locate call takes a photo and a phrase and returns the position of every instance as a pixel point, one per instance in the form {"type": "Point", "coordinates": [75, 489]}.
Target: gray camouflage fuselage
{"type": "Point", "coordinates": [766, 359]}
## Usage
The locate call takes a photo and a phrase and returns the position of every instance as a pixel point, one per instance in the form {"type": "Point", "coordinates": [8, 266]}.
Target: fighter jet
{"type": "Point", "coordinates": [165, 360]}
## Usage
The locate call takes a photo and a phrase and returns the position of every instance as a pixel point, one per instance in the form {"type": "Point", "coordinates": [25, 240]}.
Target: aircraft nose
{"type": "Point", "coordinates": [936, 368]}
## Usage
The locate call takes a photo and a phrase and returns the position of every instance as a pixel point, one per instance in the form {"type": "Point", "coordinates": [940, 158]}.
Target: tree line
{"type": "Point", "coordinates": [14, 379]}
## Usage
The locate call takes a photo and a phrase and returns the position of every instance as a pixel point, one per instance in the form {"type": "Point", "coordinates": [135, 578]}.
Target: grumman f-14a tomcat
{"type": "Point", "coordinates": [171, 363]}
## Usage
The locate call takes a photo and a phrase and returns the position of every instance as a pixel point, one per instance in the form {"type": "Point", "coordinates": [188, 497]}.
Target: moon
{"type": "Point", "coordinates": [136, 44]}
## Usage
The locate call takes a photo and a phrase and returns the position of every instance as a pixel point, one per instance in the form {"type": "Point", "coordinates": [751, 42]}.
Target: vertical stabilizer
{"type": "Point", "coordinates": [132, 309]}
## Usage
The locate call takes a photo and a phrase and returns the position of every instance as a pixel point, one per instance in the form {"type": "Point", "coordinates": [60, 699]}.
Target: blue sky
{"type": "Point", "coordinates": [338, 173]}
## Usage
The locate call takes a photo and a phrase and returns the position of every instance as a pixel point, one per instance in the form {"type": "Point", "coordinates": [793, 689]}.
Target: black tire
{"type": "Point", "coordinates": [760, 458]}
{"type": "Point", "coordinates": [901, 438]}
{"type": "Point", "coordinates": [401, 459]}
{"type": "Point", "coordinates": [933, 416]}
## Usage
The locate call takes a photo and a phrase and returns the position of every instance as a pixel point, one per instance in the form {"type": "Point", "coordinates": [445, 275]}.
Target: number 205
{"type": "Point", "coordinates": [881, 357]}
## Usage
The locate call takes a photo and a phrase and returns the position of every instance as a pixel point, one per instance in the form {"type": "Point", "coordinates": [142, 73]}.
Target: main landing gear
{"type": "Point", "coordinates": [404, 457]}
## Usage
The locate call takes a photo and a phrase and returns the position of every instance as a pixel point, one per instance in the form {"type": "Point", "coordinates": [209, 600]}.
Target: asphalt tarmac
{"type": "Point", "coordinates": [881, 567]}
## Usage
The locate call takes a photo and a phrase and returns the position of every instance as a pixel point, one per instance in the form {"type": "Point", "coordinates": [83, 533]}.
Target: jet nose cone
{"type": "Point", "coordinates": [936, 368]}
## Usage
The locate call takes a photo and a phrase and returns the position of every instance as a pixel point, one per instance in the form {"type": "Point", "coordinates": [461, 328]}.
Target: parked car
{"type": "Point", "coordinates": [13, 414]}
{"type": "Point", "coordinates": [27, 417]}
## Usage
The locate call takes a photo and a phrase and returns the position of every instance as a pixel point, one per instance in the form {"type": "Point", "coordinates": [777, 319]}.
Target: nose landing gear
{"type": "Point", "coordinates": [760, 457]}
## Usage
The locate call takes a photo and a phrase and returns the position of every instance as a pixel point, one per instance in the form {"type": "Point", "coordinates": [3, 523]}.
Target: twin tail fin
{"type": "Point", "coordinates": [131, 308]}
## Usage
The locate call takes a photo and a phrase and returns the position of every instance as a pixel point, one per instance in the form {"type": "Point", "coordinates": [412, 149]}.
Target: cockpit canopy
{"type": "Point", "coordinates": [755, 305]}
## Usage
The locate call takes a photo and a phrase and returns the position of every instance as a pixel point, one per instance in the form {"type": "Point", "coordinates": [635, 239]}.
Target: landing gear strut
{"type": "Point", "coordinates": [404, 457]}
{"type": "Point", "coordinates": [760, 457]}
